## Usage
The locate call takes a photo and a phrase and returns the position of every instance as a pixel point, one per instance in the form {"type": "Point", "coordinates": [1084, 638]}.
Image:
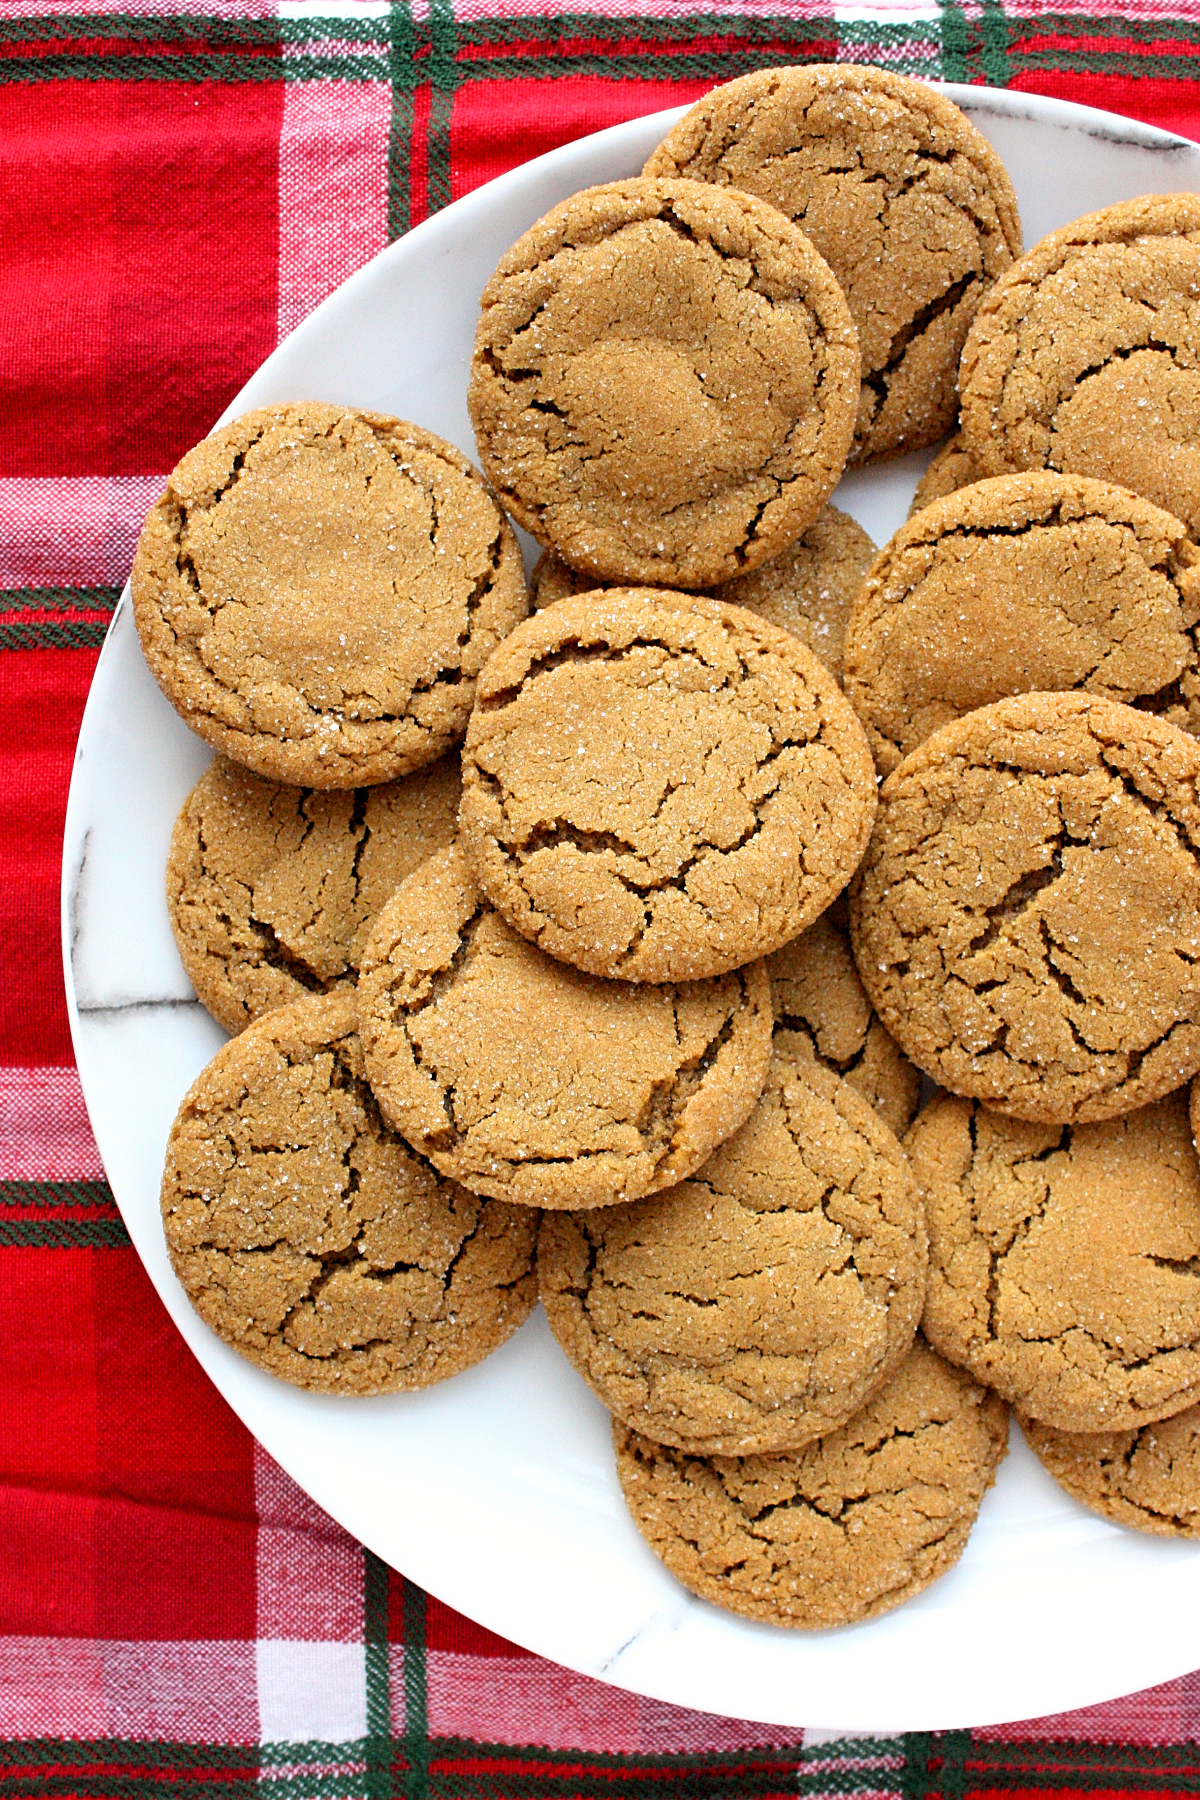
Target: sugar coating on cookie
{"type": "Point", "coordinates": [950, 470]}
{"type": "Point", "coordinates": [1148, 1478]}
{"type": "Point", "coordinates": [318, 587]}
{"type": "Point", "coordinates": [521, 1077]}
{"type": "Point", "coordinates": [659, 787]}
{"type": "Point", "coordinates": [760, 1304]}
{"type": "Point", "coordinates": [272, 889]}
{"type": "Point", "coordinates": [1027, 917]}
{"type": "Point", "coordinates": [1024, 583]}
{"type": "Point", "coordinates": [664, 382]}
{"type": "Point", "coordinates": [822, 1012]}
{"type": "Point", "coordinates": [1085, 356]}
{"type": "Point", "coordinates": [312, 1239]}
{"type": "Point", "coordinates": [909, 205]}
{"type": "Point", "coordinates": [1063, 1259]}
{"type": "Point", "coordinates": [846, 1529]}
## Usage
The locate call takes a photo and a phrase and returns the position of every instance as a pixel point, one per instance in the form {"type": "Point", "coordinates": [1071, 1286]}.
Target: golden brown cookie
{"type": "Point", "coordinates": [272, 889]}
{"type": "Point", "coordinates": [664, 382]}
{"type": "Point", "coordinates": [312, 1239]}
{"type": "Point", "coordinates": [822, 1012]}
{"type": "Point", "coordinates": [760, 1304]}
{"type": "Point", "coordinates": [909, 205]}
{"type": "Point", "coordinates": [950, 470]}
{"type": "Point", "coordinates": [808, 589]}
{"type": "Point", "coordinates": [1063, 1259]}
{"type": "Point", "coordinates": [1148, 1478]}
{"type": "Point", "coordinates": [1024, 583]}
{"type": "Point", "coordinates": [658, 787]}
{"type": "Point", "coordinates": [317, 589]}
{"type": "Point", "coordinates": [520, 1077]}
{"type": "Point", "coordinates": [1085, 356]}
{"type": "Point", "coordinates": [1027, 917]}
{"type": "Point", "coordinates": [846, 1529]}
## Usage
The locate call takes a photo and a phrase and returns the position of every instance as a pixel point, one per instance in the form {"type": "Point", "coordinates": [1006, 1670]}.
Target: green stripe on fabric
{"type": "Point", "coordinates": [51, 634]}
{"type": "Point", "coordinates": [416, 1694]}
{"type": "Point", "coordinates": [59, 599]}
{"type": "Point", "coordinates": [954, 42]}
{"type": "Point", "coordinates": [56, 1193]}
{"type": "Point", "coordinates": [376, 1582]}
{"type": "Point", "coordinates": [62, 1234]}
{"type": "Point", "coordinates": [401, 51]}
{"type": "Point", "coordinates": [443, 76]}
{"type": "Point", "coordinates": [995, 44]}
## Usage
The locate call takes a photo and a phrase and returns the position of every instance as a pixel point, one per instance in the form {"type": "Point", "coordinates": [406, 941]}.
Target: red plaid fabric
{"type": "Point", "coordinates": [182, 181]}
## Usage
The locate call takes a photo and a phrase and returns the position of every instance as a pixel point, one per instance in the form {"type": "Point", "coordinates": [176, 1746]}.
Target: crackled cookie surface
{"type": "Point", "coordinates": [272, 889]}
{"type": "Point", "coordinates": [317, 589]}
{"type": "Point", "coordinates": [760, 1304]}
{"type": "Point", "coordinates": [848, 1528]}
{"type": "Point", "coordinates": [909, 205]}
{"type": "Point", "coordinates": [1063, 1259]}
{"type": "Point", "coordinates": [950, 470]}
{"type": "Point", "coordinates": [1148, 1478]}
{"type": "Point", "coordinates": [1027, 916]}
{"type": "Point", "coordinates": [1085, 356]}
{"type": "Point", "coordinates": [312, 1239]}
{"type": "Point", "coordinates": [1029, 582]}
{"type": "Point", "coordinates": [521, 1077]}
{"type": "Point", "coordinates": [664, 382]}
{"type": "Point", "coordinates": [658, 787]}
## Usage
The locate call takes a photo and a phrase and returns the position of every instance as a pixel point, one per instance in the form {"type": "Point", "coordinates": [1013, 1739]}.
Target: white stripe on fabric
{"type": "Point", "coordinates": [201, 1691]}
{"type": "Point", "coordinates": [310, 1571]}
{"type": "Point", "coordinates": [44, 1129]}
{"type": "Point", "coordinates": [311, 1691]}
{"type": "Point", "coordinates": [72, 531]}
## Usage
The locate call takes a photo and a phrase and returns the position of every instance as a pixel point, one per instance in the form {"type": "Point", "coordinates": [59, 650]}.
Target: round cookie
{"type": "Point", "coordinates": [909, 205]}
{"type": "Point", "coordinates": [851, 1527]}
{"type": "Point", "coordinates": [950, 470]}
{"type": "Point", "coordinates": [1063, 1259]}
{"type": "Point", "coordinates": [272, 889]}
{"type": "Point", "coordinates": [1085, 356]}
{"type": "Point", "coordinates": [822, 1012]}
{"type": "Point", "coordinates": [317, 589]}
{"type": "Point", "coordinates": [664, 382]}
{"type": "Point", "coordinates": [520, 1077]}
{"type": "Point", "coordinates": [1067, 582]}
{"type": "Point", "coordinates": [1149, 1479]}
{"type": "Point", "coordinates": [659, 787]}
{"type": "Point", "coordinates": [1027, 917]}
{"type": "Point", "coordinates": [312, 1239]}
{"type": "Point", "coordinates": [760, 1304]}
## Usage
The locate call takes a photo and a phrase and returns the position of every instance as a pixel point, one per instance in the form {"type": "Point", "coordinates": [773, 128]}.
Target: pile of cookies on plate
{"type": "Point", "coordinates": [626, 1003]}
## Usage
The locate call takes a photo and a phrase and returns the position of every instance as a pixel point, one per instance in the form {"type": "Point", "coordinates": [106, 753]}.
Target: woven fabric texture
{"type": "Point", "coordinates": [181, 182]}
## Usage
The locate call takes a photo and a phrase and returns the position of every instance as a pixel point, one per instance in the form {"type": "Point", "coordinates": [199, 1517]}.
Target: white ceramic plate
{"type": "Point", "coordinates": [496, 1491]}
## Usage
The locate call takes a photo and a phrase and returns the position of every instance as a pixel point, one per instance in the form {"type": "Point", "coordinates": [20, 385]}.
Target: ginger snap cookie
{"type": "Point", "coordinates": [1085, 356]}
{"type": "Point", "coordinates": [659, 787]}
{"type": "Point", "coordinates": [846, 1529]}
{"type": "Point", "coordinates": [822, 1011]}
{"type": "Point", "coordinates": [808, 589]}
{"type": "Point", "coordinates": [909, 205]}
{"type": "Point", "coordinates": [760, 1304]}
{"type": "Point", "coordinates": [272, 889]}
{"type": "Point", "coordinates": [1148, 1478]}
{"type": "Point", "coordinates": [317, 589]}
{"type": "Point", "coordinates": [1063, 1259]}
{"type": "Point", "coordinates": [312, 1239]}
{"type": "Point", "coordinates": [1027, 917]}
{"type": "Point", "coordinates": [950, 470]}
{"type": "Point", "coordinates": [523, 1078]}
{"type": "Point", "coordinates": [664, 382]}
{"type": "Point", "coordinates": [1025, 583]}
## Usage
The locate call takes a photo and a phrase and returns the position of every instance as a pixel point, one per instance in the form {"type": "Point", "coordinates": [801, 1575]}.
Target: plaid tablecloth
{"type": "Point", "coordinates": [180, 182]}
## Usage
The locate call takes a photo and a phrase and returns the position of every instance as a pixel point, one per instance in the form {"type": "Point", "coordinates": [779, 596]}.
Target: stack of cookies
{"type": "Point", "coordinates": [626, 1004]}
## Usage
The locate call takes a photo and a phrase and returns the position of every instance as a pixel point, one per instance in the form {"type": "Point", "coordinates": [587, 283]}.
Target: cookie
{"type": "Point", "coordinates": [1148, 1478]}
{"type": "Point", "coordinates": [272, 889]}
{"type": "Point", "coordinates": [658, 787]}
{"type": "Point", "coordinates": [1027, 917]}
{"type": "Point", "coordinates": [822, 1012]}
{"type": "Point", "coordinates": [1063, 1259]}
{"type": "Point", "coordinates": [762, 1303]}
{"type": "Point", "coordinates": [312, 1239]}
{"type": "Point", "coordinates": [950, 470]}
{"type": "Point", "coordinates": [317, 589]}
{"type": "Point", "coordinates": [1020, 584]}
{"type": "Point", "coordinates": [1085, 356]}
{"type": "Point", "coordinates": [851, 1527]}
{"type": "Point", "coordinates": [522, 1078]}
{"type": "Point", "coordinates": [664, 382]}
{"type": "Point", "coordinates": [909, 205]}
{"type": "Point", "coordinates": [808, 589]}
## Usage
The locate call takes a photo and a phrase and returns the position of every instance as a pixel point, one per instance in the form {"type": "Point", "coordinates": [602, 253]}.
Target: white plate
{"type": "Point", "coordinates": [496, 1490]}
